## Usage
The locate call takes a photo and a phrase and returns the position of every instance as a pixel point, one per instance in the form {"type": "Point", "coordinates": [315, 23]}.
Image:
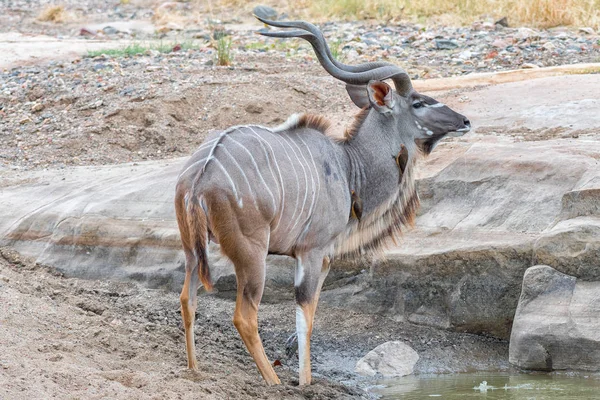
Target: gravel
{"type": "Point", "coordinates": [105, 109]}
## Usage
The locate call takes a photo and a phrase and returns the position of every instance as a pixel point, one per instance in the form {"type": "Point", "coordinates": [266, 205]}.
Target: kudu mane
{"type": "Point", "coordinates": [322, 124]}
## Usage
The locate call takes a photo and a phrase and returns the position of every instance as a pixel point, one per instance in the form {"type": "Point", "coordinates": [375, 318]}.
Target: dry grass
{"type": "Point", "coordinates": [53, 13]}
{"type": "Point", "coordinates": [537, 13]}
{"type": "Point", "coordinates": [169, 13]}
{"type": "Point", "coordinates": [549, 13]}
{"type": "Point", "coordinates": [533, 13]}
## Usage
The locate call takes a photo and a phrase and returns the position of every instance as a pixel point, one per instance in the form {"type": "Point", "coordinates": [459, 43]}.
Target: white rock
{"type": "Point", "coordinates": [529, 66]}
{"type": "Point", "coordinates": [526, 33]}
{"type": "Point", "coordinates": [587, 30]}
{"type": "Point", "coordinates": [388, 359]}
{"type": "Point", "coordinates": [465, 55]}
{"type": "Point", "coordinates": [557, 323]}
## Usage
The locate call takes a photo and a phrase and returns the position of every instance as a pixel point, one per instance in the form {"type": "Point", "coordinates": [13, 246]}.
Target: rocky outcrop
{"type": "Point", "coordinates": [389, 359]}
{"type": "Point", "coordinates": [491, 203]}
{"type": "Point", "coordinates": [557, 323]}
{"type": "Point", "coordinates": [488, 210]}
{"type": "Point", "coordinates": [572, 247]}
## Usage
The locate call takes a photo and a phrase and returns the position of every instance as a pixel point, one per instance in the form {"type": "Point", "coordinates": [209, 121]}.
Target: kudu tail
{"type": "Point", "coordinates": [192, 221]}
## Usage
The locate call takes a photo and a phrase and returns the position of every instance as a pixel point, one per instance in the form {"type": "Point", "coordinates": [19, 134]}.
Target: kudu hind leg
{"type": "Point", "coordinates": [245, 319]}
{"type": "Point", "coordinates": [189, 302]}
{"type": "Point", "coordinates": [249, 261]}
{"type": "Point", "coordinates": [310, 275]}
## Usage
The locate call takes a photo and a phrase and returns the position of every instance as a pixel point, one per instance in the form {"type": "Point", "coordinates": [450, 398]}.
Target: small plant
{"type": "Point", "coordinates": [129, 50]}
{"type": "Point", "coordinates": [224, 56]}
{"type": "Point", "coordinates": [336, 50]}
{"type": "Point", "coordinates": [140, 48]}
{"type": "Point", "coordinates": [261, 46]}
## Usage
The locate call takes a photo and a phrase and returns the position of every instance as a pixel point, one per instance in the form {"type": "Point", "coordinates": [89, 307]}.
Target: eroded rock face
{"type": "Point", "coordinates": [557, 323]}
{"type": "Point", "coordinates": [572, 247]}
{"type": "Point", "coordinates": [388, 360]}
{"type": "Point", "coordinates": [491, 208]}
{"type": "Point", "coordinates": [487, 212]}
{"type": "Point", "coordinates": [480, 228]}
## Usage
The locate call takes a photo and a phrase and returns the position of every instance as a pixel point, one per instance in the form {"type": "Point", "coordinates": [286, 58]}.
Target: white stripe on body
{"type": "Point", "coordinates": [218, 140]}
{"type": "Point", "coordinates": [214, 147]}
{"type": "Point", "coordinates": [281, 190]}
{"type": "Point", "coordinates": [257, 170]}
{"type": "Point", "coordinates": [312, 179]}
{"type": "Point", "coordinates": [191, 166]}
{"type": "Point", "coordinates": [239, 199]}
{"type": "Point", "coordinates": [318, 188]}
{"type": "Point", "coordinates": [295, 173]}
{"type": "Point", "coordinates": [242, 171]}
{"type": "Point", "coordinates": [285, 140]}
{"type": "Point", "coordinates": [204, 146]}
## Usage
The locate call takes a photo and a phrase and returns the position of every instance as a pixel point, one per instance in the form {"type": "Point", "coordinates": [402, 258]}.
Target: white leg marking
{"type": "Point", "coordinates": [257, 170]}
{"type": "Point", "coordinates": [239, 199]}
{"type": "Point", "coordinates": [302, 332]}
{"type": "Point", "coordinates": [241, 170]}
{"type": "Point", "coordinates": [299, 275]}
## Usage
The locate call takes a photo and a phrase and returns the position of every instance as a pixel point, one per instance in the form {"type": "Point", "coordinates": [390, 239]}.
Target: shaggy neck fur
{"type": "Point", "coordinates": [388, 195]}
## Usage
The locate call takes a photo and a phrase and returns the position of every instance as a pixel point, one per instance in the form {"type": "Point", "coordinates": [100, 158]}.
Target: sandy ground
{"type": "Point", "coordinates": [21, 49]}
{"type": "Point", "coordinates": [70, 338]}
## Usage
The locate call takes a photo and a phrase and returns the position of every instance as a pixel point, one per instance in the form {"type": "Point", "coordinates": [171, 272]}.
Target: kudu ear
{"type": "Point", "coordinates": [380, 96]}
{"type": "Point", "coordinates": [358, 95]}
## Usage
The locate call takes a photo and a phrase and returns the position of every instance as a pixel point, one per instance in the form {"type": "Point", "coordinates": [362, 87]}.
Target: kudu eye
{"type": "Point", "coordinates": [418, 104]}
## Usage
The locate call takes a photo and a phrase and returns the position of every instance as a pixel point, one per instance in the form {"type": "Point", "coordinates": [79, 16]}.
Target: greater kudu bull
{"type": "Point", "coordinates": [296, 191]}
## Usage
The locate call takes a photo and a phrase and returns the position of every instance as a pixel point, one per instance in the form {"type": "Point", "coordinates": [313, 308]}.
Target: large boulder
{"type": "Point", "coordinates": [572, 247]}
{"type": "Point", "coordinates": [557, 323]}
{"type": "Point", "coordinates": [115, 222]}
{"type": "Point", "coordinates": [389, 359]}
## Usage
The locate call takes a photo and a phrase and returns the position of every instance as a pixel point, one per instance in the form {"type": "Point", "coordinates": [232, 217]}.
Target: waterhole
{"type": "Point", "coordinates": [534, 386]}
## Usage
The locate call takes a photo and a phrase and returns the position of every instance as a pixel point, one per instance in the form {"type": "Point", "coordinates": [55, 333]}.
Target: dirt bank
{"type": "Point", "coordinates": [72, 338]}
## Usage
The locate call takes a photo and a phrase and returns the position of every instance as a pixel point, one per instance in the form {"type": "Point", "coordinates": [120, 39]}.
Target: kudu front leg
{"type": "Point", "coordinates": [311, 272]}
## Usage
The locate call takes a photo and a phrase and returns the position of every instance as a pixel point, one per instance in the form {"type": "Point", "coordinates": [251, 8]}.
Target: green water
{"type": "Point", "coordinates": [498, 386]}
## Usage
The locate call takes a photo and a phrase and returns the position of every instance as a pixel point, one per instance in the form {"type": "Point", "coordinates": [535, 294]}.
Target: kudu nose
{"type": "Point", "coordinates": [466, 122]}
